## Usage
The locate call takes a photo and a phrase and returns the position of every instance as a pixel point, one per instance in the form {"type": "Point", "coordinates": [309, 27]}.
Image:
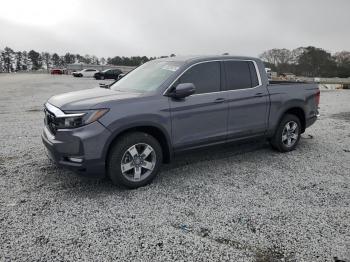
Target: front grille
{"type": "Point", "coordinates": [50, 121]}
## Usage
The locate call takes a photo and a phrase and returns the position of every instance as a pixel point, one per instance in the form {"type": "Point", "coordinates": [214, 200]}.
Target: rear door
{"type": "Point", "coordinates": [247, 99]}
{"type": "Point", "coordinates": [202, 117]}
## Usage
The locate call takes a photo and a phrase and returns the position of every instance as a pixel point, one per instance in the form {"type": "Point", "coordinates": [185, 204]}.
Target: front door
{"type": "Point", "coordinates": [202, 117]}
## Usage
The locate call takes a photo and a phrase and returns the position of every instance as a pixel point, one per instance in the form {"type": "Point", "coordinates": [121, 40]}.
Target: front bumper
{"type": "Point", "coordinates": [83, 145]}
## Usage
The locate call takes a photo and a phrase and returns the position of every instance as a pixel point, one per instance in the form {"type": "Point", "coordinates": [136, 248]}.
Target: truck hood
{"type": "Point", "coordinates": [87, 99]}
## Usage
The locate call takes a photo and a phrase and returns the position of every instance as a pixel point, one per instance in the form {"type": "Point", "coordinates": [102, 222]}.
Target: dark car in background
{"type": "Point", "coordinates": [108, 74]}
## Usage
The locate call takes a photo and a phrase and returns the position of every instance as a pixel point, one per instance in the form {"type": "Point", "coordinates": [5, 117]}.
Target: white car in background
{"type": "Point", "coordinates": [85, 73]}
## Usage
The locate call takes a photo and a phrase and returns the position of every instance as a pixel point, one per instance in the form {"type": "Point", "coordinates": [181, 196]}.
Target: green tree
{"type": "Point", "coordinates": [316, 62]}
{"type": "Point", "coordinates": [25, 60]}
{"type": "Point", "coordinates": [1, 62]}
{"type": "Point", "coordinates": [62, 61]}
{"type": "Point", "coordinates": [95, 60]}
{"type": "Point", "coordinates": [55, 60]}
{"type": "Point", "coordinates": [36, 60]}
{"type": "Point", "coordinates": [343, 63]}
{"type": "Point", "coordinates": [8, 59]}
{"type": "Point", "coordinates": [115, 60]}
{"type": "Point", "coordinates": [46, 59]}
{"type": "Point", "coordinates": [69, 58]}
{"type": "Point", "coordinates": [79, 58]}
{"type": "Point", "coordinates": [87, 59]}
{"type": "Point", "coordinates": [19, 61]}
{"type": "Point", "coordinates": [145, 59]}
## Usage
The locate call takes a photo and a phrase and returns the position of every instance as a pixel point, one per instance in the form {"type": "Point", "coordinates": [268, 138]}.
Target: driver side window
{"type": "Point", "coordinates": [205, 76]}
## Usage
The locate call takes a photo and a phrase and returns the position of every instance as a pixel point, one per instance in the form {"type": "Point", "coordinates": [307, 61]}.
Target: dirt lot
{"type": "Point", "coordinates": [236, 202]}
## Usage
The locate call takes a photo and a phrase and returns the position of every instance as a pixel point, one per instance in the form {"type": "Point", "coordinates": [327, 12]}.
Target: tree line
{"type": "Point", "coordinates": [308, 61]}
{"type": "Point", "coordinates": [13, 61]}
{"type": "Point", "coordinates": [303, 61]}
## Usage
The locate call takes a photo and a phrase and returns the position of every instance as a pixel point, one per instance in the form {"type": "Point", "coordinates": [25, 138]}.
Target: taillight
{"type": "Point", "coordinates": [318, 97]}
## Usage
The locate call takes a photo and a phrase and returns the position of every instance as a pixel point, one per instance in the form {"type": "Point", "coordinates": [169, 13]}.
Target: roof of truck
{"type": "Point", "coordinates": [200, 58]}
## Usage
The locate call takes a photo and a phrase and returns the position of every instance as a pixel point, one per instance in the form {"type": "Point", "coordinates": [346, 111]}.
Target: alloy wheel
{"type": "Point", "coordinates": [290, 134]}
{"type": "Point", "coordinates": [138, 162]}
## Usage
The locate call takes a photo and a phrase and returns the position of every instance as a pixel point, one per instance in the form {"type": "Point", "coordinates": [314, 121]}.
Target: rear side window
{"type": "Point", "coordinates": [240, 75]}
{"type": "Point", "coordinates": [205, 77]}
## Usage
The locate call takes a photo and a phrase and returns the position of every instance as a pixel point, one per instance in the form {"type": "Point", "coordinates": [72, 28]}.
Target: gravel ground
{"type": "Point", "coordinates": [236, 202]}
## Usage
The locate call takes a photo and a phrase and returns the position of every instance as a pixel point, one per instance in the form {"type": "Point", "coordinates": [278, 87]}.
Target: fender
{"type": "Point", "coordinates": [132, 125]}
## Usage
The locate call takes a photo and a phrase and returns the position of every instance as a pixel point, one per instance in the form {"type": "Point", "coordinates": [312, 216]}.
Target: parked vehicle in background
{"type": "Point", "coordinates": [121, 76]}
{"type": "Point", "coordinates": [108, 74]}
{"type": "Point", "coordinates": [85, 73]}
{"type": "Point", "coordinates": [268, 73]}
{"type": "Point", "coordinates": [170, 105]}
{"type": "Point", "coordinates": [57, 71]}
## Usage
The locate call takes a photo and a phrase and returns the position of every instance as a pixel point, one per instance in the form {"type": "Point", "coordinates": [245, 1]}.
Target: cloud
{"type": "Point", "coordinates": [158, 27]}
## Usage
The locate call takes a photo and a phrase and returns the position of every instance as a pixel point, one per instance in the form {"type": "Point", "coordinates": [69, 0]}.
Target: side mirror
{"type": "Point", "coordinates": [103, 85]}
{"type": "Point", "coordinates": [183, 90]}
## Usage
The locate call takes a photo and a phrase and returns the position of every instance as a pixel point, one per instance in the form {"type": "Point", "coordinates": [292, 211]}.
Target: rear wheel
{"type": "Point", "coordinates": [287, 134]}
{"type": "Point", "coordinates": [134, 160]}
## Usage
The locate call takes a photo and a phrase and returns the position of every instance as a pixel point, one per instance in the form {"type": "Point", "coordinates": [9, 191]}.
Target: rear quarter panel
{"type": "Point", "coordinates": [287, 96]}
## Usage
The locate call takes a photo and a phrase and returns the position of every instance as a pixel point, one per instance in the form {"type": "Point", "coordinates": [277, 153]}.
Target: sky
{"type": "Point", "coordinates": [108, 28]}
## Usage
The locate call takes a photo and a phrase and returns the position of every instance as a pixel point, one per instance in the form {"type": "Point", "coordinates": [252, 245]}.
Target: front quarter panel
{"type": "Point", "coordinates": [142, 111]}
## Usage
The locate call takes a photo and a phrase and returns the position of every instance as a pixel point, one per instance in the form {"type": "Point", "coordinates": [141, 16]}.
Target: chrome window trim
{"type": "Point", "coordinates": [58, 113]}
{"type": "Point", "coordinates": [218, 60]}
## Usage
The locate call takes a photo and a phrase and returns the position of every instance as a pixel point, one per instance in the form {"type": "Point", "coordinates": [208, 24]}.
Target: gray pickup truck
{"type": "Point", "coordinates": [128, 129]}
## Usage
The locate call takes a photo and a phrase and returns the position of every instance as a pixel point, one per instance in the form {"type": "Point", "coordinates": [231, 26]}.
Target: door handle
{"type": "Point", "coordinates": [259, 95]}
{"type": "Point", "coordinates": [219, 100]}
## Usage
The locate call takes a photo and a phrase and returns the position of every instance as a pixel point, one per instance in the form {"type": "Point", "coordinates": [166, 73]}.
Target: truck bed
{"type": "Point", "coordinates": [289, 94]}
{"type": "Point", "coordinates": [284, 82]}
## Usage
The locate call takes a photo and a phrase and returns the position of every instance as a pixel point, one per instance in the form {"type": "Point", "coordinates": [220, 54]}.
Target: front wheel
{"type": "Point", "coordinates": [134, 160]}
{"type": "Point", "coordinates": [287, 134]}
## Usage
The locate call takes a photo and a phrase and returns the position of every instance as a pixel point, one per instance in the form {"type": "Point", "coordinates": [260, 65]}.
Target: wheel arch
{"type": "Point", "coordinates": [157, 132]}
{"type": "Point", "coordinates": [298, 112]}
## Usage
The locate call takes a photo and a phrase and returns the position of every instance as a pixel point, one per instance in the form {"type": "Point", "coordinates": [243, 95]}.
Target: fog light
{"type": "Point", "coordinates": [75, 159]}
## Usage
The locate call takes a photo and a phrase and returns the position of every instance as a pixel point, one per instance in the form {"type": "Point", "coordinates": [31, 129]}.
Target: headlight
{"type": "Point", "coordinates": [75, 119]}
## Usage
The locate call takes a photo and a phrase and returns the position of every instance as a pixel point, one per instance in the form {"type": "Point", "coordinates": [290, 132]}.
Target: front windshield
{"type": "Point", "coordinates": [147, 77]}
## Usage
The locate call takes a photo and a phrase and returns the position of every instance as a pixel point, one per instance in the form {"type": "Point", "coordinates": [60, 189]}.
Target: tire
{"type": "Point", "coordinates": [139, 170]}
{"type": "Point", "coordinates": [102, 77]}
{"type": "Point", "coordinates": [284, 139]}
